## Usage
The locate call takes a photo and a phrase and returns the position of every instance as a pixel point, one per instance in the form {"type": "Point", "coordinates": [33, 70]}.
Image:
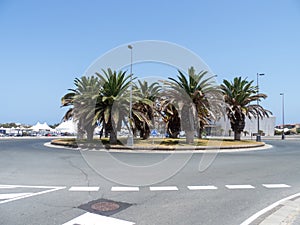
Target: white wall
{"type": "Point", "coordinates": [266, 124]}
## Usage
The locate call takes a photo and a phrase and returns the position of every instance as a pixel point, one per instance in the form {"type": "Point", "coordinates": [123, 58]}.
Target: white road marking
{"type": "Point", "coordinates": [27, 186]}
{"type": "Point", "coordinates": [244, 186]}
{"type": "Point", "coordinates": [84, 189]}
{"type": "Point", "coordinates": [13, 195]}
{"type": "Point", "coordinates": [50, 189]}
{"type": "Point", "coordinates": [94, 219]}
{"type": "Point", "coordinates": [276, 185]}
{"type": "Point", "coordinates": [268, 208]}
{"type": "Point", "coordinates": [6, 187]}
{"type": "Point", "coordinates": [125, 189]}
{"type": "Point", "coordinates": [164, 188]}
{"type": "Point", "coordinates": [207, 187]}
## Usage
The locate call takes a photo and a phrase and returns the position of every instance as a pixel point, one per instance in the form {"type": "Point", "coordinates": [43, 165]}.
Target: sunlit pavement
{"type": "Point", "coordinates": [46, 186]}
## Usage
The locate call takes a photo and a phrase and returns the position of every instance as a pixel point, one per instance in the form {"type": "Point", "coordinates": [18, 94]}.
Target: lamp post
{"type": "Point", "coordinates": [258, 138]}
{"type": "Point", "coordinates": [130, 138]}
{"type": "Point", "coordinates": [282, 135]}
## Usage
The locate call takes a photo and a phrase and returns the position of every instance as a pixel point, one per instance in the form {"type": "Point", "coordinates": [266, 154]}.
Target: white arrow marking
{"type": "Point", "coordinates": [13, 195]}
{"type": "Point", "coordinates": [94, 219]}
{"type": "Point", "coordinates": [26, 195]}
{"type": "Point", "coordinates": [6, 187]}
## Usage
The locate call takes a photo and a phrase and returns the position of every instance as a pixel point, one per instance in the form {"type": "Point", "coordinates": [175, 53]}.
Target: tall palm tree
{"type": "Point", "coordinates": [143, 108]}
{"type": "Point", "coordinates": [196, 92]}
{"type": "Point", "coordinates": [112, 102]}
{"type": "Point", "coordinates": [83, 99]}
{"type": "Point", "coordinates": [239, 96]}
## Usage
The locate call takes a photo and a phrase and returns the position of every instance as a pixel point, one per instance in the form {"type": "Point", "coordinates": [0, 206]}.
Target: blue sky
{"type": "Point", "coordinates": [44, 45]}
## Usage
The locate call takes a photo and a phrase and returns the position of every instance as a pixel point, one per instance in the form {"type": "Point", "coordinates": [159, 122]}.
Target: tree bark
{"type": "Point", "coordinates": [90, 133]}
{"type": "Point", "coordinates": [237, 136]}
{"type": "Point", "coordinates": [189, 137]}
{"type": "Point", "coordinates": [200, 131]}
{"type": "Point", "coordinates": [113, 139]}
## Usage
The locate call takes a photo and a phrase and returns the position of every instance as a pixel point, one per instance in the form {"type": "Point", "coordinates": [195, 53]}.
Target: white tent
{"type": "Point", "coordinates": [68, 126]}
{"type": "Point", "coordinates": [41, 127]}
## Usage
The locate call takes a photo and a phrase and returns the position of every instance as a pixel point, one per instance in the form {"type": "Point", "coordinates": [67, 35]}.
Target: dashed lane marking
{"type": "Point", "coordinates": [84, 188]}
{"type": "Point", "coordinates": [164, 188]}
{"type": "Point", "coordinates": [276, 185]}
{"type": "Point", "coordinates": [125, 189]}
{"type": "Point", "coordinates": [206, 187]}
{"type": "Point", "coordinates": [94, 219]}
{"type": "Point", "coordinates": [244, 186]}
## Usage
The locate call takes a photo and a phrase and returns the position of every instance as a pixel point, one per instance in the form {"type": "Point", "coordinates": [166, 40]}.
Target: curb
{"type": "Point", "coordinates": [283, 212]}
{"type": "Point", "coordinates": [179, 149]}
{"type": "Point", "coordinates": [287, 214]}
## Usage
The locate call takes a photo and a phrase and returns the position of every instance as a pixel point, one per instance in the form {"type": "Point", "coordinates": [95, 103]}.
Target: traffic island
{"type": "Point", "coordinates": [165, 144]}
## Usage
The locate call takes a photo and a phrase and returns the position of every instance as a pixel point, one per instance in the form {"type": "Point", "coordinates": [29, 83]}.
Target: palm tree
{"type": "Point", "coordinates": [239, 96]}
{"type": "Point", "coordinates": [67, 100]}
{"type": "Point", "coordinates": [112, 102]}
{"type": "Point", "coordinates": [170, 115]}
{"type": "Point", "coordinates": [83, 99]}
{"type": "Point", "coordinates": [196, 93]}
{"type": "Point", "coordinates": [143, 108]}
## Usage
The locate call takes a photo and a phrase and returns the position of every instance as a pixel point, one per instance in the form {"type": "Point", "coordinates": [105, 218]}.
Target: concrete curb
{"type": "Point", "coordinates": [180, 149]}
{"type": "Point", "coordinates": [287, 214]}
{"type": "Point", "coordinates": [283, 212]}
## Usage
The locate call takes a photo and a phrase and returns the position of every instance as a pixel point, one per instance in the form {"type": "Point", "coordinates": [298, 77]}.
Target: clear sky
{"type": "Point", "coordinates": [44, 45]}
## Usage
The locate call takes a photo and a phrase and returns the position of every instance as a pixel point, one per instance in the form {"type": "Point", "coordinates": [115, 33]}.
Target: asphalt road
{"type": "Point", "coordinates": [39, 185]}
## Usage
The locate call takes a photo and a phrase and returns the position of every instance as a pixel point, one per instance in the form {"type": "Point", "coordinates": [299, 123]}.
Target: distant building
{"type": "Point", "coordinates": [266, 126]}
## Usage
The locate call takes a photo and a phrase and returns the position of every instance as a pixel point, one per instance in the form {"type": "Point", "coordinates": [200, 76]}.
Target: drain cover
{"type": "Point", "coordinates": [104, 207]}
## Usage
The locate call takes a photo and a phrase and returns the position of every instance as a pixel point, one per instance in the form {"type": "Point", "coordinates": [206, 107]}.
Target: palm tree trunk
{"type": "Point", "coordinates": [80, 131]}
{"type": "Point", "coordinates": [146, 135]}
{"type": "Point", "coordinates": [106, 130]}
{"type": "Point", "coordinates": [200, 131]}
{"type": "Point", "coordinates": [90, 133]}
{"type": "Point", "coordinates": [113, 139]}
{"type": "Point", "coordinates": [237, 136]}
{"type": "Point", "coordinates": [189, 137]}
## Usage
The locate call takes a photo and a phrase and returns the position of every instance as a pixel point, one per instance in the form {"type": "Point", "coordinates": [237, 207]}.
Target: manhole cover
{"type": "Point", "coordinates": [104, 207]}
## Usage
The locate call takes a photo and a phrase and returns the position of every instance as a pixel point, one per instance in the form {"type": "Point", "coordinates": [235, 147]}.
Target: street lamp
{"type": "Point", "coordinates": [258, 138]}
{"type": "Point", "coordinates": [282, 135]}
{"type": "Point", "coordinates": [130, 138]}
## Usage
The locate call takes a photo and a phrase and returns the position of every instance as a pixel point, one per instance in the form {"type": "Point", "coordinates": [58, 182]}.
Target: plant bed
{"type": "Point", "coordinates": [158, 143]}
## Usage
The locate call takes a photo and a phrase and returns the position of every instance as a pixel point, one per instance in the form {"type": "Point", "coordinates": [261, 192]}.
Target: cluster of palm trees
{"type": "Point", "coordinates": [188, 103]}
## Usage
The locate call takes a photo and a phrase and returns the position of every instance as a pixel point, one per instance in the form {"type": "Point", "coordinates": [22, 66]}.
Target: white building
{"type": "Point", "coordinates": [266, 125]}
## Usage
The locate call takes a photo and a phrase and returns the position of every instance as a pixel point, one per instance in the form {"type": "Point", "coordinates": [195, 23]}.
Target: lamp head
{"type": "Point", "coordinates": [129, 46]}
